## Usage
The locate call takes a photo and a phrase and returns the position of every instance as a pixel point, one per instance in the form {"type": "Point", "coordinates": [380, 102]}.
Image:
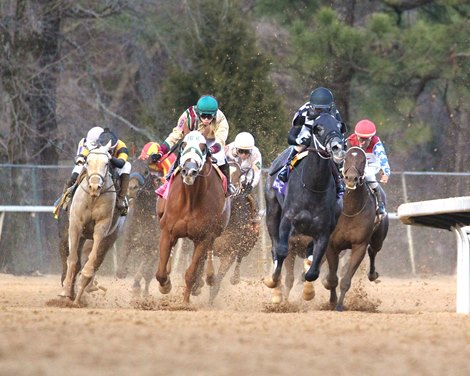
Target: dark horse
{"type": "Point", "coordinates": [241, 234]}
{"type": "Point", "coordinates": [358, 228]}
{"type": "Point", "coordinates": [141, 231]}
{"type": "Point", "coordinates": [195, 208]}
{"type": "Point", "coordinates": [310, 206]}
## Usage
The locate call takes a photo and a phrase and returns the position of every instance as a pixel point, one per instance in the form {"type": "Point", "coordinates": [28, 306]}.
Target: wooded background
{"type": "Point", "coordinates": [69, 65]}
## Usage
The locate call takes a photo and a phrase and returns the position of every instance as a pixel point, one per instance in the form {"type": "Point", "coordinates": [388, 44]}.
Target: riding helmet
{"type": "Point", "coordinates": [245, 141]}
{"type": "Point", "coordinates": [207, 104]}
{"type": "Point", "coordinates": [365, 128]}
{"type": "Point", "coordinates": [107, 136]}
{"type": "Point", "coordinates": [321, 98]}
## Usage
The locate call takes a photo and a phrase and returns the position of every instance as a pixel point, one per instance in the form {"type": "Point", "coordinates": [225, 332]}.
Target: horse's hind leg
{"type": "Point", "coordinates": [235, 279]}
{"type": "Point", "coordinates": [148, 270]}
{"type": "Point", "coordinates": [195, 268]}
{"type": "Point", "coordinates": [357, 255]}
{"type": "Point", "coordinates": [225, 264]}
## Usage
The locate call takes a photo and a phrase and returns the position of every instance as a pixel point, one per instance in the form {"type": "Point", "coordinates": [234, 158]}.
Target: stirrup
{"type": "Point", "coordinates": [381, 209]}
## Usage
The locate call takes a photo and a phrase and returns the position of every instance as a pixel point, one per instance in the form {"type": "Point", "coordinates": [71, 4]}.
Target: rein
{"type": "Point", "coordinates": [361, 210]}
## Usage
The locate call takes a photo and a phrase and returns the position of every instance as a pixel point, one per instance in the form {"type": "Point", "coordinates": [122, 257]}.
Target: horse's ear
{"type": "Point", "coordinates": [318, 130]}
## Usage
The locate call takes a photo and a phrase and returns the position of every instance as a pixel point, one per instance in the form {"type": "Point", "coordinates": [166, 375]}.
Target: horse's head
{"type": "Point", "coordinates": [326, 135]}
{"type": "Point", "coordinates": [354, 167]}
{"type": "Point", "coordinates": [193, 156]}
{"type": "Point", "coordinates": [97, 169]}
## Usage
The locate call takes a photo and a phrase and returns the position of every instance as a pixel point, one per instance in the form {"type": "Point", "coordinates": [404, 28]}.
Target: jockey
{"type": "Point", "coordinates": [365, 137]}
{"type": "Point", "coordinates": [163, 165]}
{"type": "Point", "coordinates": [207, 118]}
{"type": "Point", "coordinates": [119, 157]}
{"type": "Point", "coordinates": [247, 155]}
{"type": "Point", "coordinates": [321, 100]}
{"type": "Point", "coordinates": [90, 142]}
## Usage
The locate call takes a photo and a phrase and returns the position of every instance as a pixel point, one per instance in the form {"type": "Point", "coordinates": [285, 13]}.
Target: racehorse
{"type": "Point", "coordinates": [141, 231]}
{"type": "Point", "coordinates": [310, 205]}
{"type": "Point", "coordinates": [91, 213]}
{"type": "Point", "coordinates": [195, 207]}
{"type": "Point", "coordinates": [241, 234]}
{"type": "Point", "coordinates": [358, 228]}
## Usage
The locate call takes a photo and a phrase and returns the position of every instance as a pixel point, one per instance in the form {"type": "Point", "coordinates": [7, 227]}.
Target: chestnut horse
{"type": "Point", "coordinates": [358, 228]}
{"type": "Point", "coordinates": [241, 234]}
{"type": "Point", "coordinates": [195, 207]}
{"type": "Point", "coordinates": [141, 230]}
{"type": "Point", "coordinates": [91, 211]}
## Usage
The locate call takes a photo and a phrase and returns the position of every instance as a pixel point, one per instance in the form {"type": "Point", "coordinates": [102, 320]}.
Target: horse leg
{"type": "Point", "coordinates": [197, 263]}
{"type": "Point", "coordinates": [210, 274]}
{"type": "Point", "coordinates": [162, 272]}
{"type": "Point", "coordinates": [373, 275]}
{"type": "Point", "coordinates": [280, 252]}
{"type": "Point", "coordinates": [319, 251]}
{"type": "Point", "coordinates": [225, 264]}
{"type": "Point", "coordinates": [357, 255]}
{"type": "Point", "coordinates": [72, 261]}
{"type": "Point", "coordinates": [235, 279]}
{"type": "Point", "coordinates": [331, 280]}
{"type": "Point", "coordinates": [289, 280]}
{"type": "Point", "coordinates": [148, 270]}
{"type": "Point", "coordinates": [95, 258]}
{"type": "Point", "coordinates": [136, 288]}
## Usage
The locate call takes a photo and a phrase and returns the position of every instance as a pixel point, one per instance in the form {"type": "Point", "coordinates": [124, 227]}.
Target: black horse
{"type": "Point", "coordinates": [358, 228]}
{"type": "Point", "coordinates": [141, 232]}
{"type": "Point", "coordinates": [310, 205]}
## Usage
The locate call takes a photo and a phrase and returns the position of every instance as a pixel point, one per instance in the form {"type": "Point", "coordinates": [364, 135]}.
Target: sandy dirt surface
{"type": "Point", "coordinates": [396, 327]}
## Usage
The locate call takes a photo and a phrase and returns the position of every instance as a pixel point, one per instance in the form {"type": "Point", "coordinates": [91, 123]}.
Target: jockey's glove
{"type": "Point", "coordinates": [79, 160]}
{"type": "Point", "coordinates": [215, 148]}
{"type": "Point", "coordinates": [155, 157]}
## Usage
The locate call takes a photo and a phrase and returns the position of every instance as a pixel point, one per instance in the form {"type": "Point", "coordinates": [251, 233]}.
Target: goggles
{"type": "Point", "coordinates": [243, 151]}
{"type": "Point", "coordinates": [206, 116]}
{"type": "Point", "coordinates": [364, 139]}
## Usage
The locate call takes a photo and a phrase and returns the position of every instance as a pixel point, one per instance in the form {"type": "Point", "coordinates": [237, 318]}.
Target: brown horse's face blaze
{"type": "Point", "coordinates": [354, 167]}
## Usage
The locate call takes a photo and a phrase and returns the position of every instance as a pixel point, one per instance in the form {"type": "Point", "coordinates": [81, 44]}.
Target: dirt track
{"type": "Point", "coordinates": [413, 332]}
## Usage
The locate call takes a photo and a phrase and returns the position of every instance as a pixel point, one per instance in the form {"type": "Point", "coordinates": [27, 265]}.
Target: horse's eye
{"type": "Point", "coordinates": [203, 147]}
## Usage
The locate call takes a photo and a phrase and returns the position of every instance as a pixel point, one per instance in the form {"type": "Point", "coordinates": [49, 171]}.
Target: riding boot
{"type": "Point", "coordinates": [225, 168]}
{"type": "Point", "coordinates": [121, 202]}
{"type": "Point", "coordinates": [380, 204]}
{"type": "Point", "coordinates": [340, 187]}
{"type": "Point", "coordinates": [283, 175]}
{"type": "Point", "coordinates": [172, 168]}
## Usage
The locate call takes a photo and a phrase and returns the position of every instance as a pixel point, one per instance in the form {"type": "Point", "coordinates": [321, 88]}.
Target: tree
{"type": "Point", "coordinates": [221, 58]}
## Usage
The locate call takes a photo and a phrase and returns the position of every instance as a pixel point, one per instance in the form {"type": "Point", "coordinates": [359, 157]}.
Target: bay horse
{"type": "Point", "coordinates": [242, 231]}
{"type": "Point", "coordinates": [141, 231]}
{"type": "Point", "coordinates": [358, 228]}
{"type": "Point", "coordinates": [195, 207]}
{"type": "Point", "coordinates": [91, 212]}
{"type": "Point", "coordinates": [310, 205]}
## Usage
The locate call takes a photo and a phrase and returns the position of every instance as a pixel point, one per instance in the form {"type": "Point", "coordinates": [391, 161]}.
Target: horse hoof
{"type": "Point", "coordinates": [269, 282]}
{"type": "Point", "coordinates": [308, 292]}
{"type": "Point", "coordinates": [166, 288]}
{"type": "Point", "coordinates": [276, 299]}
{"type": "Point", "coordinates": [373, 277]}
{"type": "Point", "coordinates": [339, 308]}
{"type": "Point", "coordinates": [121, 274]}
{"type": "Point", "coordinates": [235, 280]}
{"type": "Point", "coordinates": [210, 280]}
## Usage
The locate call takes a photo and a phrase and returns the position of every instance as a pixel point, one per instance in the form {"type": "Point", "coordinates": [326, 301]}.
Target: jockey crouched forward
{"type": "Point", "coordinates": [365, 137]}
{"type": "Point", "coordinates": [321, 100]}
{"type": "Point", "coordinates": [119, 155]}
{"type": "Point", "coordinates": [243, 151]}
{"type": "Point", "coordinates": [207, 118]}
